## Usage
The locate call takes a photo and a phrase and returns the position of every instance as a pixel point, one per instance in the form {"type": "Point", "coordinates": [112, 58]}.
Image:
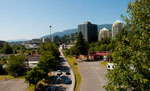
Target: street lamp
{"type": "Point", "coordinates": [50, 32]}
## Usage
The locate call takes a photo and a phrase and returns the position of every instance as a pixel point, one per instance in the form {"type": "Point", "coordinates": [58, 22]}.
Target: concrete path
{"type": "Point", "coordinates": [13, 85]}
{"type": "Point", "coordinates": [93, 76]}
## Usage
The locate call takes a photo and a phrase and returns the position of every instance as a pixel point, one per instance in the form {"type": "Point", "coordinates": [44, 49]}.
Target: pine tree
{"type": "Point", "coordinates": [81, 45]}
{"type": "Point", "coordinates": [132, 54]}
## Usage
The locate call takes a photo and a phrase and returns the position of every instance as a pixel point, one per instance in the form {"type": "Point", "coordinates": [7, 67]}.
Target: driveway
{"type": "Point", "coordinates": [13, 85]}
{"type": "Point", "coordinates": [93, 76]}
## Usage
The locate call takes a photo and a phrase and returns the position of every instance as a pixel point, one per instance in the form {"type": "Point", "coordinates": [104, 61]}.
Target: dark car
{"type": "Point", "coordinates": [59, 67]}
{"type": "Point", "coordinates": [50, 88]}
{"type": "Point", "coordinates": [67, 81]}
{"type": "Point", "coordinates": [67, 72]}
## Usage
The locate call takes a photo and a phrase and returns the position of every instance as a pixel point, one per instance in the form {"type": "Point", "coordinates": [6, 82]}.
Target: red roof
{"type": "Point", "coordinates": [99, 53]}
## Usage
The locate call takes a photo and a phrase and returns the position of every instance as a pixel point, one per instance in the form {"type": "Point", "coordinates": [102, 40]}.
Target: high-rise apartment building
{"type": "Point", "coordinates": [116, 27]}
{"type": "Point", "coordinates": [104, 33]}
{"type": "Point", "coordinates": [89, 31]}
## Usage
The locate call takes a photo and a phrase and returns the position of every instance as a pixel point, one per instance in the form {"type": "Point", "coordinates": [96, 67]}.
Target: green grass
{"type": "Point", "coordinates": [104, 63]}
{"type": "Point", "coordinates": [76, 72]}
{"type": "Point", "coordinates": [2, 77]}
{"type": "Point", "coordinates": [30, 88]}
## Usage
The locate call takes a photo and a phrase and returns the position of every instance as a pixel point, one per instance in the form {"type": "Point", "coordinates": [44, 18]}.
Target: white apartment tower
{"type": "Point", "coordinates": [116, 27]}
{"type": "Point", "coordinates": [104, 33]}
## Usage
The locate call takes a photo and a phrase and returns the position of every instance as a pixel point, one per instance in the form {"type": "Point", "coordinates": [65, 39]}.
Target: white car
{"type": "Point", "coordinates": [59, 72]}
{"type": "Point", "coordinates": [110, 66]}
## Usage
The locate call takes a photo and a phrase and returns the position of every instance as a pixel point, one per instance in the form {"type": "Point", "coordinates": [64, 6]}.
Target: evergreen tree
{"type": "Point", "coordinates": [35, 75]}
{"type": "Point", "coordinates": [131, 55]}
{"type": "Point", "coordinates": [48, 62]}
{"type": "Point", "coordinates": [51, 47]}
{"type": "Point", "coordinates": [16, 65]}
{"type": "Point", "coordinates": [6, 49]}
{"type": "Point", "coordinates": [81, 45]}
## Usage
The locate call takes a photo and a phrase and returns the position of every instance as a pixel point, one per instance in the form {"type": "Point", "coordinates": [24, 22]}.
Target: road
{"type": "Point", "coordinates": [13, 85]}
{"type": "Point", "coordinates": [93, 76]}
{"type": "Point", "coordinates": [64, 66]}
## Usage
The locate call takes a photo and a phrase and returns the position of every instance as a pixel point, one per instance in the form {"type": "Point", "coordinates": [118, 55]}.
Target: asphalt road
{"type": "Point", "coordinates": [93, 76]}
{"type": "Point", "coordinates": [61, 86]}
{"type": "Point", "coordinates": [69, 87]}
{"type": "Point", "coordinates": [13, 85]}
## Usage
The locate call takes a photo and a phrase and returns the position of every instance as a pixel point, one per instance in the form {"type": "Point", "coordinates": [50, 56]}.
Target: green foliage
{"type": "Point", "coordinates": [73, 51]}
{"type": "Point", "coordinates": [16, 65]}
{"type": "Point", "coordinates": [49, 57]}
{"type": "Point", "coordinates": [102, 45]}
{"type": "Point", "coordinates": [1, 44]}
{"type": "Point", "coordinates": [6, 49]}
{"type": "Point", "coordinates": [81, 46]}
{"type": "Point", "coordinates": [51, 47]}
{"type": "Point", "coordinates": [3, 60]}
{"type": "Point", "coordinates": [35, 75]}
{"type": "Point", "coordinates": [48, 61]}
{"type": "Point", "coordinates": [131, 55]}
{"type": "Point", "coordinates": [67, 39]}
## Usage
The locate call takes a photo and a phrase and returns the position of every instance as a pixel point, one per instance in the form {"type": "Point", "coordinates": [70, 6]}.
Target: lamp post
{"type": "Point", "coordinates": [50, 32]}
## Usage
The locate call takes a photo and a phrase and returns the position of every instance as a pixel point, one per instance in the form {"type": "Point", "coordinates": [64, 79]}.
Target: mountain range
{"type": "Point", "coordinates": [66, 32]}
{"type": "Point", "coordinates": [71, 31]}
{"type": "Point", "coordinates": [18, 40]}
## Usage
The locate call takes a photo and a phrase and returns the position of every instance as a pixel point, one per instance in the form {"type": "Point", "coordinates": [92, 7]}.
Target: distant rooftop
{"type": "Point", "coordinates": [118, 21]}
{"type": "Point", "coordinates": [104, 29]}
{"type": "Point", "coordinates": [87, 22]}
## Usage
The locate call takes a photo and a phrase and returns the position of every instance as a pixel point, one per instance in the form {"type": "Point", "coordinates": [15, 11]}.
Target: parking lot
{"type": "Point", "coordinates": [13, 85]}
{"type": "Point", "coordinates": [93, 76]}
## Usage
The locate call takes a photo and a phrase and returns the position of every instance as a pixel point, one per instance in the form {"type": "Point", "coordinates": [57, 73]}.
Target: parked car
{"type": "Point", "coordinates": [58, 80]}
{"type": "Point", "coordinates": [67, 80]}
{"type": "Point", "coordinates": [51, 88]}
{"type": "Point", "coordinates": [59, 72]}
{"type": "Point", "coordinates": [110, 66]}
{"type": "Point", "coordinates": [68, 72]}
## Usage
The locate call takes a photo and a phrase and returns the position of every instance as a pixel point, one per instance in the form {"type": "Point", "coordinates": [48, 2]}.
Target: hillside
{"type": "Point", "coordinates": [108, 26]}
{"type": "Point", "coordinates": [71, 31]}
{"type": "Point", "coordinates": [61, 34]}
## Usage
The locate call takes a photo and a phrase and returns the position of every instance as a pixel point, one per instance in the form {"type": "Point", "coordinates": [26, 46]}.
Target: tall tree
{"type": "Point", "coordinates": [49, 57]}
{"type": "Point", "coordinates": [81, 45]}
{"type": "Point", "coordinates": [35, 75]}
{"type": "Point", "coordinates": [48, 62]}
{"type": "Point", "coordinates": [51, 47]}
{"type": "Point", "coordinates": [16, 65]}
{"type": "Point", "coordinates": [6, 49]}
{"type": "Point", "coordinates": [131, 55]}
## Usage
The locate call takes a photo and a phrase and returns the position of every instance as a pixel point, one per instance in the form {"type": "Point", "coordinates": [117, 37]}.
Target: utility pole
{"type": "Point", "coordinates": [50, 32]}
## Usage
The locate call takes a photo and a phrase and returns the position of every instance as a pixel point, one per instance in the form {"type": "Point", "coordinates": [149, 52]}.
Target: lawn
{"type": "Point", "coordinates": [104, 63]}
{"type": "Point", "coordinates": [76, 72]}
{"type": "Point", "coordinates": [30, 88]}
{"type": "Point", "coordinates": [2, 77]}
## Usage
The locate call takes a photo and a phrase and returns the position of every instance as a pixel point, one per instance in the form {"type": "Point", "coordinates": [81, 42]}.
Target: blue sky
{"type": "Point", "coordinates": [27, 19]}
